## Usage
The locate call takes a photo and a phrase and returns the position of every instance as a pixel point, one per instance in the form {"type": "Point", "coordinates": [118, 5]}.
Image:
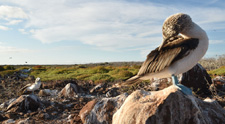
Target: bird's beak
{"type": "Point", "coordinates": [163, 43]}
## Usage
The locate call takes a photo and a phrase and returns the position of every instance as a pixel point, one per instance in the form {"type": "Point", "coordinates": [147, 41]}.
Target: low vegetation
{"type": "Point", "coordinates": [97, 73]}
{"type": "Point", "coordinates": [6, 70]}
{"type": "Point", "coordinates": [101, 72]}
{"type": "Point", "coordinates": [220, 71]}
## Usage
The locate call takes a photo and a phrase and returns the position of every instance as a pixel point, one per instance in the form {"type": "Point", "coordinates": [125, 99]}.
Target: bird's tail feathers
{"type": "Point", "coordinates": [133, 80]}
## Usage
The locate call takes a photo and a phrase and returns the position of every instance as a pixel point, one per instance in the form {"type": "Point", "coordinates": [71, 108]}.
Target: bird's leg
{"type": "Point", "coordinates": [181, 87]}
{"type": "Point", "coordinates": [175, 80]}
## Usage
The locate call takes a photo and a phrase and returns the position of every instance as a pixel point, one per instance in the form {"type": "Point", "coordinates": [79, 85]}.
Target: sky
{"type": "Point", "coordinates": [90, 31]}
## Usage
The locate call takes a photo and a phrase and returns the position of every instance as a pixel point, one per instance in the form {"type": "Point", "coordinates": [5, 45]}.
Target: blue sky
{"type": "Point", "coordinates": [88, 31]}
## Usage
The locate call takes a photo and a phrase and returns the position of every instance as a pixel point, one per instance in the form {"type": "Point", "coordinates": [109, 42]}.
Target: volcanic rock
{"type": "Point", "coordinates": [12, 115]}
{"type": "Point", "coordinates": [87, 109]}
{"type": "Point", "coordinates": [70, 90]}
{"type": "Point", "coordinates": [198, 80]}
{"type": "Point", "coordinates": [44, 93]}
{"type": "Point", "coordinates": [24, 104]}
{"type": "Point", "coordinates": [168, 106]}
{"type": "Point", "coordinates": [159, 84]}
{"type": "Point", "coordinates": [44, 116]}
{"type": "Point", "coordinates": [101, 111]}
{"type": "Point", "coordinates": [4, 105]}
{"type": "Point", "coordinates": [219, 83]}
{"type": "Point", "coordinates": [99, 89]}
{"type": "Point", "coordinates": [9, 121]}
{"type": "Point", "coordinates": [2, 118]}
{"type": "Point", "coordinates": [26, 121]}
{"type": "Point", "coordinates": [47, 92]}
{"type": "Point", "coordinates": [112, 92]}
{"type": "Point", "coordinates": [219, 79]}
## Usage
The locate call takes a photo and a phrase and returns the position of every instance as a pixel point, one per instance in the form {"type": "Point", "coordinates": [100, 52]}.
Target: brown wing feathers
{"type": "Point", "coordinates": [169, 53]}
{"type": "Point", "coordinates": [173, 50]}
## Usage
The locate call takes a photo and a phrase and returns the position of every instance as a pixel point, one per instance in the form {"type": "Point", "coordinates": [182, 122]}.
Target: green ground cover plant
{"type": "Point", "coordinates": [97, 72]}
{"type": "Point", "coordinates": [220, 71]}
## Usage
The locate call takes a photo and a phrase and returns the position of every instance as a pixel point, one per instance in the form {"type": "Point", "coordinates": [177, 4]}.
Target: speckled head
{"type": "Point", "coordinates": [176, 24]}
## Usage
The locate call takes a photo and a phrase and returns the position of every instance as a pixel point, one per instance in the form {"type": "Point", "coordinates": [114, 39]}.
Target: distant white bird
{"type": "Point", "coordinates": [184, 44]}
{"type": "Point", "coordinates": [26, 70]}
{"type": "Point", "coordinates": [31, 87]}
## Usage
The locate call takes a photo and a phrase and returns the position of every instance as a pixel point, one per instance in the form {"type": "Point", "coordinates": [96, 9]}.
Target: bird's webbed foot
{"type": "Point", "coordinates": [182, 88]}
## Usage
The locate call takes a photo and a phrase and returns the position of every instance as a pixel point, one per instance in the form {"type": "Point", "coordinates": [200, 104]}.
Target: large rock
{"type": "Point", "coordinates": [198, 80]}
{"type": "Point", "coordinates": [101, 111]}
{"type": "Point", "coordinates": [26, 121]}
{"type": "Point", "coordinates": [4, 105]}
{"type": "Point", "coordinates": [47, 92]}
{"type": "Point", "coordinates": [9, 121]}
{"type": "Point", "coordinates": [85, 111]}
{"type": "Point", "coordinates": [2, 118]}
{"type": "Point", "coordinates": [69, 91]}
{"type": "Point", "coordinates": [99, 89]}
{"type": "Point", "coordinates": [218, 85]}
{"type": "Point", "coordinates": [25, 103]}
{"type": "Point", "coordinates": [168, 106]}
{"type": "Point", "coordinates": [159, 84]}
{"type": "Point", "coordinates": [112, 92]}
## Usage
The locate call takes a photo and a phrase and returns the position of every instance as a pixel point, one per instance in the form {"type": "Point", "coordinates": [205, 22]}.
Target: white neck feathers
{"type": "Point", "coordinates": [194, 31]}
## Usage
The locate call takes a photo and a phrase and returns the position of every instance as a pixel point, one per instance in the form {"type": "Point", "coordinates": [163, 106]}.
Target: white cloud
{"type": "Point", "coordinates": [11, 16]}
{"type": "Point", "coordinates": [4, 28]}
{"type": "Point", "coordinates": [109, 25]}
{"type": "Point", "coordinates": [23, 31]}
{"type": "Point", "coordinates": [13, 22]}
{"type": "Point", "coordinates": [8, 12]}
{"type": "Point", "coordinates": [103, 24]}
{"type": "Point", "coordinates": [9, 49]}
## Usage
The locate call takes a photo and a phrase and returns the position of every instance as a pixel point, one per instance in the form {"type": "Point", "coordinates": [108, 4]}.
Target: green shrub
{"type": "Point", "coordinates": [220, 71]}
{"type": "Point", "coordinates": [101, 77]}
{"type": "Point", "coordinates": [39, 67]}
{"type": "Point", "coordinates": [82, 66]}
{"type": "Point", "coordinates": [125, 73]}
{"type": "Point", "coordinates": [1, 68]}
{"type": "Point", "coordinates": [83, 76]}
{"type": "Point", "coordinates": [7, 72]}
{"type": "Point", "coordinates": [99, 69]}
{"type": "Point", "coordinates": [121, 74]}
{"type": "Point", "coordinates": [81, 72]}
{"type": "Point", "coordinates": [8, 67]}
{"type": "Point", "coordinates": [114, 72]}
{"type": "Point", "coordinates": [136, 66]}
{"type": "Point", "coordinates": [61, 71]}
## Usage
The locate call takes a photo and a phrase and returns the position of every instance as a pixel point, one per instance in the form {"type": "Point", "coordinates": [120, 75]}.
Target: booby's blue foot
{"type": "Point", "coordinates": [181, 87]}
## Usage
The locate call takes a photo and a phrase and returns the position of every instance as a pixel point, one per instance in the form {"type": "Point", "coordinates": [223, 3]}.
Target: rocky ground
{"type": "Point", "coordinates": [73, 101]}
{"type": "Point", "coordinates": [58, 101]}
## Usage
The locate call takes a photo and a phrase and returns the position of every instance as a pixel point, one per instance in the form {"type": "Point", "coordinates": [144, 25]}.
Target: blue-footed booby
{"type": "Point", "coordinates": [32, 87]}
{"type": "Point", "coordinates": [184, 44]}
